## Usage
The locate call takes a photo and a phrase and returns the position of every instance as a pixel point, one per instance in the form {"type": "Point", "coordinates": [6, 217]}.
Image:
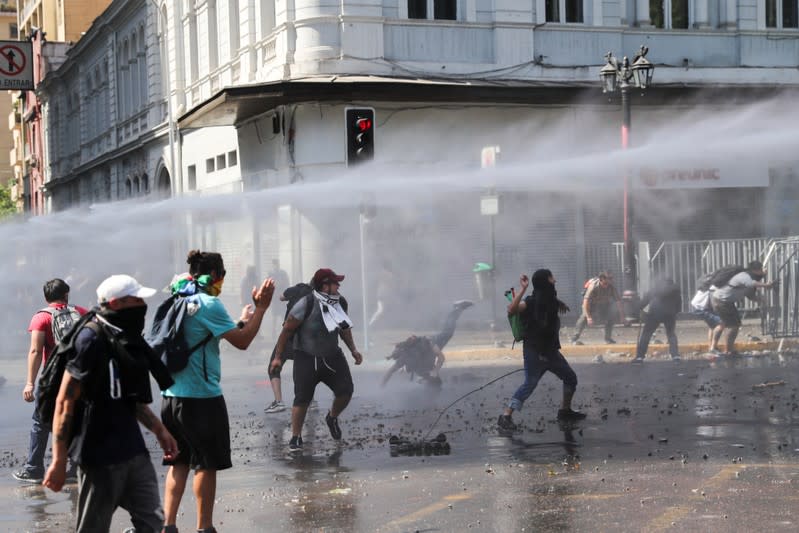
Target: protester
{"type": "Point", "coordinates": [317, 356]}
{"type": "Point", "coordinates": [541, 346]}
{"type": "Point", "coordinates": [104, 392]}
{"type": "Point", "coordinates": [281, 279]}
{"type": "Point", "coordinates": [46, 324]}
{"type": "Point", "coordinates": [701, 307]}
{"type": "Point", "coordinates": [194, 409]}
{"type": "Point", "coordinates": [422, 356]}
{"type": "Point", "coordinates": [725, 298]}
{"type": "Point", "coordinates": [663, 303]}
{"type": "Point", "coordinates": [601, 303]}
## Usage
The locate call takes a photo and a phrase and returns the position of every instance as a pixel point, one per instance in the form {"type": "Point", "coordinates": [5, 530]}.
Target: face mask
{"type": "Point", "coordinates": [211, 286]}
{"type": "Point", "coordinates": [130, 319]}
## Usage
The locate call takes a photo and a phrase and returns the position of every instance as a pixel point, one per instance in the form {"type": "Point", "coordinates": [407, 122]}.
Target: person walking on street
{"type": "Point", "coordinates": [194, 409]}
{"type": "Point", "coordinates": [664, 301]}
{"type": "Point", "coordinates": [601, 303]}
{"type": "Point", "coordinates": [317, 356]}
{"type": "Point", "coordinates": [108, 391]}
{"type": "Point", "coordinates": [541, 346]}
{"type": "Point", "coordinates": [47, 326]}
{"type": "Point", "coordinates": [725, 298]}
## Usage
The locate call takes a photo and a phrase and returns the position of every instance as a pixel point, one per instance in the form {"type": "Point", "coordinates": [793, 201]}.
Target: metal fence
{"type": "Point", "coordinates": [780, 313]}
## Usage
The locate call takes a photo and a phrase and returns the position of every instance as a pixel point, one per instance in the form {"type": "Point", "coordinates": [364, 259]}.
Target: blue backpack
{"type": "Point", "coordinates": [166, 335]}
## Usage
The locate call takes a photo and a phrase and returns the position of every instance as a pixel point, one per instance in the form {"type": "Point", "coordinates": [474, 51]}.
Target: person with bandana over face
{"type": "Point", "coordinates": [541, 346]}
{"type": "Point", "coordinates": [194, 409]}
{"type": "Point", "coordinates": [103, 396]}
{"type": "Point", "coordinates": [317, 355]}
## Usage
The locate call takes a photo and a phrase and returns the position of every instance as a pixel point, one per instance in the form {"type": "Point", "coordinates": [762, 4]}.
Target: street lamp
{"type": "Point", "coordinates": [623, 75]}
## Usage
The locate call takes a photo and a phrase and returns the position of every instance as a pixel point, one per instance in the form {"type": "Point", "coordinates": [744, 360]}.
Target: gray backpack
{"type": "Point", "coordinates": [62, 320]}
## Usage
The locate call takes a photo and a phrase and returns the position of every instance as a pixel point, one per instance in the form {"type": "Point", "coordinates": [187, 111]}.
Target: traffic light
{"type": "Point", "coordinates": [360, 124]}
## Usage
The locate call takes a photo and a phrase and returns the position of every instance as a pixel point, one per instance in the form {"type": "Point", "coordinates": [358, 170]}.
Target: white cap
{"type": "Point", "coordinates": [119, 286]}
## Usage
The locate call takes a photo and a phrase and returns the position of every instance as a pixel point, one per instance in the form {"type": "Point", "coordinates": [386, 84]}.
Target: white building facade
{"type": "Point", "coordinates": [257, 91]}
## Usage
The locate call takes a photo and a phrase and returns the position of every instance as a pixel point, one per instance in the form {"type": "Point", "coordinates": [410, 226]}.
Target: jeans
{"type": "Point", "coordinates": [40, 432]}
{"type": "Point", "coordinates": [448, 330]}
{"type": "Point", "coordinates": [650, 325]}
{"type": "Point", "coordinates": [535, 365]}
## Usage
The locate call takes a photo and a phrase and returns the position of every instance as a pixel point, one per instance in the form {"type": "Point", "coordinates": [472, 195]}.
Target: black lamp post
{"type": "Point", "coordinates": [623, 75]}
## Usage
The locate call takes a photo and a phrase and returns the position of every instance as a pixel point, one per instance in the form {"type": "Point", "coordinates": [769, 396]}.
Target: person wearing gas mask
{"type": "Point", "coordinates": [317, 355]}
{"type": "Point", "coordinates": [104, 393]}
{"type": "Point", "coordinates": [194, 409]}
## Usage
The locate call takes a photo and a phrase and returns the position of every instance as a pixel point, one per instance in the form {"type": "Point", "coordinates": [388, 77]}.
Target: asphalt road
{"type": "Point", "coordinates": [690, 446]}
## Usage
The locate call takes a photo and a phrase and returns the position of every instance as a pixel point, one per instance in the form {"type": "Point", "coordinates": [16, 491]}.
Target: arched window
{"type": "Point", "coordinates": [145, 183]}
{"type": "Point", "coordinates": [235, 29]}
{"type": "Point", "coordinates": [213, 36]}
{"type": "Point", "coordinates": [128, 188]}
{"type": "Point", "coordinates": [142, 66]}
{"type": "Point", "coordinates": [133, 61]}
{"type": "Point", "coordinates": [136, 186]}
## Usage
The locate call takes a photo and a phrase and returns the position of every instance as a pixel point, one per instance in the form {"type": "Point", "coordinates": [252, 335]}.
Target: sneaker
{"type": "Point", "coordinates": [676, 359]}
{"type": "Point", "coordinates": [275, 407]}
{"type": "Point", "coordinates": [610, 341]}
{"type": "Point", "coordinates": [295, 444]}
{"type": "Point", "coordinates": [170, 529]}
{"type": "Point", "coordinates": [462, 304]}
{"type": "Point", "coordinates": [332, 424]}
{"type": "Point", "coordinates": [569, 414]}
{"type": "Point", "coordinates": [638, 360]}
{"type": "Point", "coordinates": [26, 477]}
{"type": "Point", "coordinates": [576, 342]}
{"type": "Point", "coordinates": [506, 422]}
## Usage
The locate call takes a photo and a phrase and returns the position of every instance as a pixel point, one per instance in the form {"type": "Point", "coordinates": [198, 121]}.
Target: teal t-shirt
{"type": "Point", "coordinates": [210, 317]}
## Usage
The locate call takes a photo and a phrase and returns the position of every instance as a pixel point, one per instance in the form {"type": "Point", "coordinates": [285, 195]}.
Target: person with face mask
{"type": "Point", "coordinates": [541, 346]}
{"type": "Point", "coordinates": [103, 395]}
{"type": "Point", "coordinates": [194, 409]}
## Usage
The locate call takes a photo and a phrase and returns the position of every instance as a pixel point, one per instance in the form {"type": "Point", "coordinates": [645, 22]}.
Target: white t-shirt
{"type": "Point", "coordinates": [736, 289]}
{"type": "Point", "coordinates": [701, 301]}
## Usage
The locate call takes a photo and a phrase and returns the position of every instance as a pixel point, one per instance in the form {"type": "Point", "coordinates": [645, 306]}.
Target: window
{"type": "Point", "coordinates": [213, 36]}
{"type": "Point", "coordinates": [782, 14]}
{"type": "Point", "coordinates": [192, 173]}
{"type": "Point", "coordinates": [573, 10]}
{"type": "Point", "coordinates": [235, 37]}
{"type": "Point", "coordinates": [267, 9]}
{"type": "Point", "coordinates": [417, 9]}
{"type": "Point", "coordinates": [669, 14]}
{"type": "Point", "coordinates": [220, 162]}
{"type": "Point", "coordinates": [441, 9]}
{"type": "Point", "coordinates": [13, 32]}
{"type": "Point", "coordinates": [232, 158]}
{"type": "Point", "coordinates": [209, 165]}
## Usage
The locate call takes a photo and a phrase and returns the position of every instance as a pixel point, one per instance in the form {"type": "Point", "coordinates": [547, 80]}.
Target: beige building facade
{"type": "Point", "coordinates": [61, 20]}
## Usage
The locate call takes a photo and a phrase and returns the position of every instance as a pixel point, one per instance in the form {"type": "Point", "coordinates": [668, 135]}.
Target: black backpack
{"type": "Point", "coordinates": [53, 372]}
{"type": "Point", "coordinates": [166, 336]}
{"type": "Point", "coordinates": [62, 320]}
{"type": "Point", "coordinates": [718, 278]}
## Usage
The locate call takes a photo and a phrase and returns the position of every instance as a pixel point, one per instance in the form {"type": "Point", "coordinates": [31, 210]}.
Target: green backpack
{"type": "Point", "coordinates": [516, 323]}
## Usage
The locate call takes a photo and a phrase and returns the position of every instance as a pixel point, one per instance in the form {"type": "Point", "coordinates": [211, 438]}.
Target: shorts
{"type": "Point", "coordinates": [287, 355]}
{"type": "Point", "coordinates": [711, 319]}
{"type": "Point", "coordinates": [201, 428]}
{"type": "Point", "coordinates": [309, 371]}
{"type": "Point", "coordinates": [727, 312]}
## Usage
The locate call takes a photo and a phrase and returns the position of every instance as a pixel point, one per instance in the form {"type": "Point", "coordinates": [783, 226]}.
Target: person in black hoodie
{"type": "Point", "coordinates": [664, 301]}
{"type": "Point", "coordinates": [541, 346]}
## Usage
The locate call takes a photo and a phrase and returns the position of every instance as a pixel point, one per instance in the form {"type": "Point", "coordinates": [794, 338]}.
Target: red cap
{"type": "Point", "coordinates": [325, 275]}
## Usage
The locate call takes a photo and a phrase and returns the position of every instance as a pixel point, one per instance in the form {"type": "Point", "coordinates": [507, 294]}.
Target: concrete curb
{"type": "Point", "coordinates": [622, 351]}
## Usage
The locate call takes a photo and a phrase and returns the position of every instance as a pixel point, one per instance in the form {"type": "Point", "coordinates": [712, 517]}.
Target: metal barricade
{"type": "Point", "coordinates": [780, 312]}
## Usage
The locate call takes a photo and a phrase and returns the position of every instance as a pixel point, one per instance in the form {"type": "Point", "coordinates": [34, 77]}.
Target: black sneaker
{"type": "Point", "coordinates": [26, 477]}
{"type": "Point", "coordinates": [462, 304]}
{"type": "Point", "coordinates": [170, 529]}
{"type": "Point", "coordinates": [505, 422]}
{"type": "Point", "coordinates": [332, 424]}
{"type": "Point", "coordinates": [569, 414]}
{"type": "Point", "coordinates": [610, 341]}
{"type": "Point", "coordinates": [638, 360]}
{"type": "Point", "coordinates": [295, 444]}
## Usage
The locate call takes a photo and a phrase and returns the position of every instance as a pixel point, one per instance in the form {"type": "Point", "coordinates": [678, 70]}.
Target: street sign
{"type": "Point", "coordinates": [16, 65]}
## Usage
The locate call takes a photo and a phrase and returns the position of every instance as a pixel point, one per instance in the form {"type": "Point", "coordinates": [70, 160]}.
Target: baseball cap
{"type": "Point", "coordinates": [119, 286]}
{"type": "Point", "coordinates": [325, 275]}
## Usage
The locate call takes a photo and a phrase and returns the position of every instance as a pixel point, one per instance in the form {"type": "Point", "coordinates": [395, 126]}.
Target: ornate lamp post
{"type": "Point", "coordinates": [622, 76]}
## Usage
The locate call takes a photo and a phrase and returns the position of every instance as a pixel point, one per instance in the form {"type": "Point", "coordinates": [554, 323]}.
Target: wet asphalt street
{"type": "Point", "coordinates": [690, 446]}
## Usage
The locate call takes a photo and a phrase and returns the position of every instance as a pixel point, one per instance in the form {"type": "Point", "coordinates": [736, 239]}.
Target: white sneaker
{"type": "Point", "coordinates": [275, 407]}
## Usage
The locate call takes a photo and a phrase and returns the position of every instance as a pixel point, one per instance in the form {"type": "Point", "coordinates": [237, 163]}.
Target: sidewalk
{"type": "Point", "coordinates": [475, 344]}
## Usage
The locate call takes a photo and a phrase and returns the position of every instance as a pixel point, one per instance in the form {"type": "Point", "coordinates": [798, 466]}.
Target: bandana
{"type": "Point", "coordinates": [186, 285]}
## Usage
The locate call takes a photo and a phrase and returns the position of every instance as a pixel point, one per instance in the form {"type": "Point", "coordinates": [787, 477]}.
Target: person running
{"type": "Point", "coordinates": [541, 346]}
{"type": "Point", "coordinates": [317, 356]}
{"type": "Point", "coordinates": [422, 356]}
{"type": "Point", "coordinates": [102, 399]}
{"type": "Point", "coordinates": [47, 326]}
{"type": "Point", "coordinates": [664, 301]}
{"type": "Point", "coordinates": [194, 409]}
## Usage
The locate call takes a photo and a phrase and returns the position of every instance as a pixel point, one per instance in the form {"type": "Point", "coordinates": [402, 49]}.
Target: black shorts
{"type": "Point", "coordinates": [201, 428]}
{"type": "Point", "coordinates": [288, 353]}
{"type": "Point", "coordinates": [727, 312]}
{"type": "Point", "coordinates": [309, 371]}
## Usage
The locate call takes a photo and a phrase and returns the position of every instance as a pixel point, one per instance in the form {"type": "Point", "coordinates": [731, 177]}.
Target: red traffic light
{"type": "Point", "coordinates": [363, 124]}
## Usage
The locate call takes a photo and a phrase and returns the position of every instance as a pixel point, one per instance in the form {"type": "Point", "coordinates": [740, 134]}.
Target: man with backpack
{"type": "Point", "coordinates": [317, 356]}
{"type": "Point", "coordinates": [47, 327]}
{"type": "Point", "coordinates": [662, 303]}
{"type": "Point", "coordinates": [601, 303]}
{"type": "Point", "coordinates": [727, 294]}
{"type": "Point", "coordinates": [103, 396]}
{"type": "Point", "coordinates": [541, 346]}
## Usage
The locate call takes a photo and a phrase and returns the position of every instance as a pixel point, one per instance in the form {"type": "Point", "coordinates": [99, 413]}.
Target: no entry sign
{"type": "Point", "coordinates": [16, 65]}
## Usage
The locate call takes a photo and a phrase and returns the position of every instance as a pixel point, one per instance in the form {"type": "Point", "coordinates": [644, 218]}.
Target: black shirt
{"type": "Point", "coordinates": [542, 328]}
{"type": "Point", "coordinates": [109, 432]}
